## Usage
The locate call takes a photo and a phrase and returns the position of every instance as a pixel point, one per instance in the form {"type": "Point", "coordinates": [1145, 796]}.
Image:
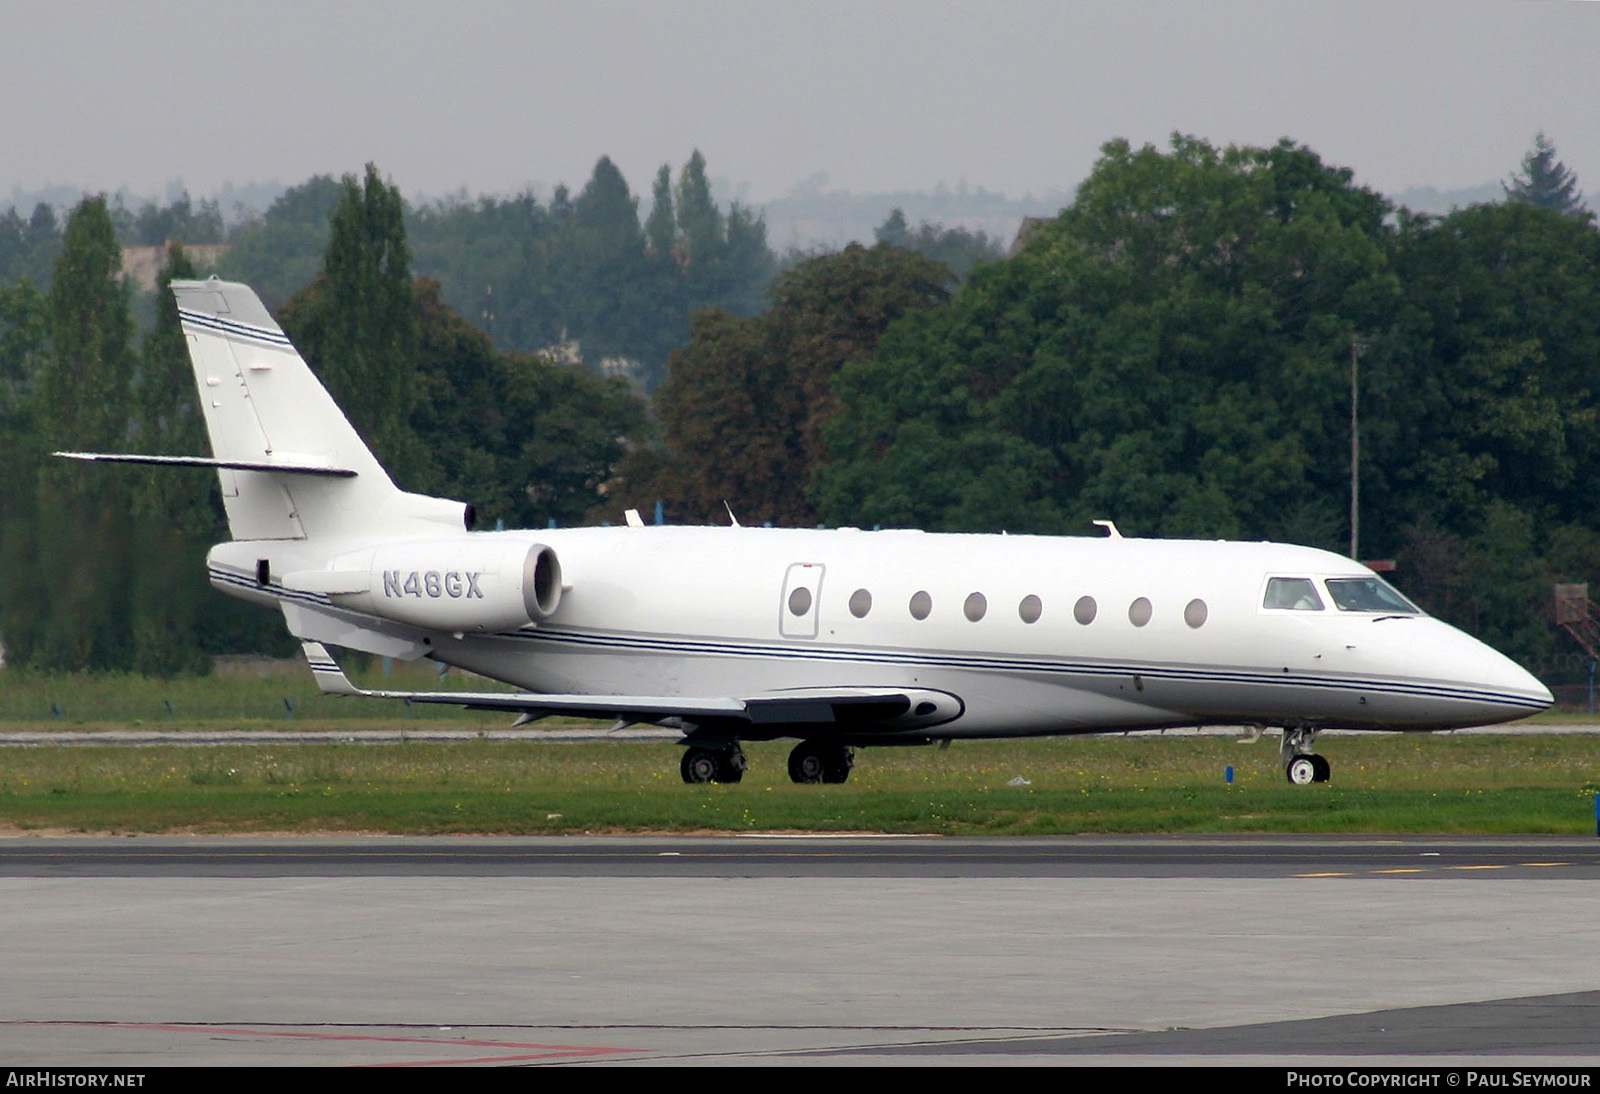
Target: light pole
{"type": "Point", "coordinates": [1357, 347]}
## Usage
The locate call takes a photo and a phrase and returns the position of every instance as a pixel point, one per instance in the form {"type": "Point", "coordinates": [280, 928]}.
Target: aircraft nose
{"type": "Point", "coordinates": [1492, 687]}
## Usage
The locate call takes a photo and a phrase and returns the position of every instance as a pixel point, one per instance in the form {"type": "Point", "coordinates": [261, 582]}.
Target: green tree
{"type": "Point", "coordinates": [283, 250]}
{"type": "Point", "coordinates": [524, 439]}
{"type": "Point", "coordinates": [1545, 181]}
{"type": "Point", "coordinates": [359, 332]}
{"type": "Point", "coordinates": [745, 402]}
{"type": "Point", "coordinates": [175, 512]}
{"type": "Point", "coordinates": [700, 222]}
{"type": "Point", "coordinates": [83, 525]}
{"type": "Point", "coordinates": [1168, 353]}
{"type": "Point", "coordinates": [24, 358]}
{"type": "Point", "coordinates": [662, 227]}
{"type": "Point", "coordinates": [958, 248]}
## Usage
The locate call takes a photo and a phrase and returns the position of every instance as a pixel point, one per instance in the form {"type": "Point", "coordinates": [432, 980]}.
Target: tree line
{"type": "Point", "coordinates": [1173, 351]}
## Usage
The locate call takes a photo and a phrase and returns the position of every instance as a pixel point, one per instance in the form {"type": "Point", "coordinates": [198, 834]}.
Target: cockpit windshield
{"type": "Point", "coordinates": [1295, 593]}
{"type": "Point", "coordinates": [1369, 594]}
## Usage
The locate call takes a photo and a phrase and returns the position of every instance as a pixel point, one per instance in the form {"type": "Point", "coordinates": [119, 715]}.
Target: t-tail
{"type": "Point", "coordinates": [291, 465]}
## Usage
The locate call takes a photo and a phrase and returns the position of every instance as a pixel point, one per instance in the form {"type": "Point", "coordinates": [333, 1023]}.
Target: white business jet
{"type": "Point", "coordinates": [839, 638]}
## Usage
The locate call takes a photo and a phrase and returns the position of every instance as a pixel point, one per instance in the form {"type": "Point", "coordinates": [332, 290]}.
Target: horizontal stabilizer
{"type": "Point", "coordinates": [288, 465]}
{"type": "Point", "coordinates": [885, 708]}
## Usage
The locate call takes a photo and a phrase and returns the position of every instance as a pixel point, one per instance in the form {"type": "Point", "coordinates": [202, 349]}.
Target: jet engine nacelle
{"type": "Point", "coordinates": [456, 584]}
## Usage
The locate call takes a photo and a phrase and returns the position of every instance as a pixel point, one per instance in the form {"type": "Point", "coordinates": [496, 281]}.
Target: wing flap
{"type": "Point", "coordinates": [856, 707]}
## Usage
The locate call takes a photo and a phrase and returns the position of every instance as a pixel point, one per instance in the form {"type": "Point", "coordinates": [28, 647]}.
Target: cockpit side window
{"type": "Point", "coordinates": [1369, 594]}
{"type": "Point", "coordinates": [1294, 593]}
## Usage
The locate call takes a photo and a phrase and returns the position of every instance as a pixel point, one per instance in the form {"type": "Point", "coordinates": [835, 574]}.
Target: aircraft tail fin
{"type": "Point", "coordinates": [290, 463]}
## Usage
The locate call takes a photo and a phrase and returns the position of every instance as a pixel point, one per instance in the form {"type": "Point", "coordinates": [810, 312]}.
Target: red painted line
{"type": "Point", "coordinates": [544, 1049]}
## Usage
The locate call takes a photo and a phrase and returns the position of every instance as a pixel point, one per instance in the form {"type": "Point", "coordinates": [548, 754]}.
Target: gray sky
{"type": "Point", "coordinates": [888, 95]}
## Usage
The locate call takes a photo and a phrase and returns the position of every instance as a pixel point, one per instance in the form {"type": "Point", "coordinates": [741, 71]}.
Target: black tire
{"type": "Point", "coordinates": [837, 764]}
{"type": "Point", "coordinates": [1323, 769]}
{"type": "Point", "coordinates": [806, 763]}
{"type": "Point", "coordinates": [699, 766]}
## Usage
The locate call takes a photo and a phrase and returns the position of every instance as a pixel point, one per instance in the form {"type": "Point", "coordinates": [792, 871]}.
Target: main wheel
{"type": "Point", "coordinates": [806, 763]}
{"type": "Point", "coordinates": [699, 765]}
{"type": "Point", "coordinates": [1302, 770]}
{"type": "Point", "coordinates": [1323, 769]}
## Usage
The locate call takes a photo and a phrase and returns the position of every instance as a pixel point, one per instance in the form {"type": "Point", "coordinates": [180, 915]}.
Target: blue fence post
{"type": "Point", "coordinates": [1228, 775]}
{"type": "Point", "coordinates": [288, 704]}
{"type": "Point", "coordinates": [661, 512]}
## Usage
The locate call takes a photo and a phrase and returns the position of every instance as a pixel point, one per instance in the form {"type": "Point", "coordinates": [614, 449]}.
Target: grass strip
{"type": "Point", "coordinates": [1382, 783]}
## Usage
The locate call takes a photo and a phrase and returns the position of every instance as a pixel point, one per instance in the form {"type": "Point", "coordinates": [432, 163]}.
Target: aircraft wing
{"type": "Point", "coordinates": [883, 708]}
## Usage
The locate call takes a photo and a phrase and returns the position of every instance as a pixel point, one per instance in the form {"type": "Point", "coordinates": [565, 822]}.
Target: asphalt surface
{"type": "Point", "coordinates": [130, 952]}
{"type": "Point", "coordinates": [805, 856]}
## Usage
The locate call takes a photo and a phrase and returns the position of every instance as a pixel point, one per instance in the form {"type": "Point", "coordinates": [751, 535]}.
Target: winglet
{"type": "Point", "coordinates": [326, 671]}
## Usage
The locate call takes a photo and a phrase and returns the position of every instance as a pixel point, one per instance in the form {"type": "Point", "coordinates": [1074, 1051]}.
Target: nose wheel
{"type": "Point", "coordinates": [1302, 766]}
{"type": "Point", "coordinates": [1308, 769]}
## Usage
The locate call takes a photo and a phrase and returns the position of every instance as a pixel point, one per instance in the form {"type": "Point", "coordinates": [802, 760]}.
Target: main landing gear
{"type": "Point", "coordinates": [810, 762]}
{"type": "Point", "coordinates": [820, 762]}
{"type": "Point", "coordinates": [712, 765]}
{"type": "Point", "coordinates": [1302, 766]}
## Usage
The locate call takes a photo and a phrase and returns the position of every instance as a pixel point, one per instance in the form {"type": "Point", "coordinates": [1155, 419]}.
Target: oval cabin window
{"type": "Point", "coordinates": [1139, 612]}
{"type": "Point", "coordinates": [799, 601]}
{"type": "Point", "coordinates": [1195, 613]}
{"type": "Point", "coordinates": [860, 603]}
{"type": "Point", "coordinates": [1084, 610]}
{"type": "Point", "coordinates": [975, 607]}
{"type": "Point", "coordinates": [921, 605]}
{"type": "Point", "coordinates": [1030, 609]}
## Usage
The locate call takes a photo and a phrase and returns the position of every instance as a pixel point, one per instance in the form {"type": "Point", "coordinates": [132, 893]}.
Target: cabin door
{"type": "Point", "coordinates": [802, 590]}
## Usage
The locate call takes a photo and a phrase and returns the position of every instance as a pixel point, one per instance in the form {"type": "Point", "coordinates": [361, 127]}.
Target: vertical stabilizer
{"type": "Point", "coordinates": [263, 406]}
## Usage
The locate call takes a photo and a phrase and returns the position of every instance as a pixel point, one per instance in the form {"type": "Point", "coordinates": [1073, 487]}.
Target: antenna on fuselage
{"type": "Point", "coordinates": [1110, 526]}
{"type": "Point", "coordinates": [731, 517]}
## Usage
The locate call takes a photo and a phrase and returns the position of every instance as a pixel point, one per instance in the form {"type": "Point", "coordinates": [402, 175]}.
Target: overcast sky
{"type": "Point", "coordinates": [888, 95]}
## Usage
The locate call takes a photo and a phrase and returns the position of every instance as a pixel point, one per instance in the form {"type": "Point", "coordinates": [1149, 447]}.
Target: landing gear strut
{"type": "Point", "coordinates": [1302, 766]}
{"type": "Point", "coordinates": [712, 765]}
{"type": "Point", "coordinates": [820, 762]}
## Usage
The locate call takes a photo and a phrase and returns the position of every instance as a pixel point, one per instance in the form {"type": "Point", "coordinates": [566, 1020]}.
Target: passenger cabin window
{"type": "Point", "coordinates": [860, 603]}
{"type": "Point", "coordinates": [1369, 594]}
{"type": "Point", "coordinates": [1295, 593]}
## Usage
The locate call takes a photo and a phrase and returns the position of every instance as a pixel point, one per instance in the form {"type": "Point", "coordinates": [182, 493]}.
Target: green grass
{"type": "Point", "coordinates": [285, 698]}
{"type": "Point", "coordinates": [1382, 784]}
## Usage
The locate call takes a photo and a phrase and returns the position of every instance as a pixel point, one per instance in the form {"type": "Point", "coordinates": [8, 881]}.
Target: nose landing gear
{"type": "Point", "coordinates": [1302, 766]}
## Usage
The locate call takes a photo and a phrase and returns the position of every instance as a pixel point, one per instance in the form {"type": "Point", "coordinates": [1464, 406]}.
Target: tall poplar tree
{"type": "Point", "coordinates": [83, 520]}
{"type": "Point", "coordinates": [356, 323]}
{"type": "Point", "coordinates": [24, 356]}
{"type": "Point", "coordinates": [662, 227]}
{"type": "Point", "coordinates": [174, 511]}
